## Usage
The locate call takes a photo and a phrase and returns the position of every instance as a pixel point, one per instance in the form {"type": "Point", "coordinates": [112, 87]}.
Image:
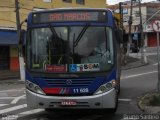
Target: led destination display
{"type": "Point", "coordinates": [66, 16]}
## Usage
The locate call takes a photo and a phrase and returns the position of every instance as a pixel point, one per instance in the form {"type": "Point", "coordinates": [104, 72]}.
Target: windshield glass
{"type": "Point", "coordinates": [70, 49]}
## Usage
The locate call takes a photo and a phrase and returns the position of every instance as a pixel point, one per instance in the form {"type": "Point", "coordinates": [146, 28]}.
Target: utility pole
{"type": "Point", "coordinates": [121, 15]}
{"type": "Point", "coordinates": [143, 55]}
{"type": "Point", "coordinates": [129, 33]}
{"type": "Point", "coordinates": [121, 27]}
{"type": "Point", "coordinates": [158, 58]}
{"type": "Point", "coordinates": [17, 19]}
{"type": "Point", "coordinates": [156, 28]}
{"type": "Point", "coordinates": [21, 60]}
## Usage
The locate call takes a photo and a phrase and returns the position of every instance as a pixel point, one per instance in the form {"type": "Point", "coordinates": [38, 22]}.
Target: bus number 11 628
{"type": "Point", "coordinates": [81, 90]}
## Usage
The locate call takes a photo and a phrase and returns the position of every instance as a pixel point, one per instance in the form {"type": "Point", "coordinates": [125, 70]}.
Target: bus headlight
{"type": "Point", "coordinates": [106, 87]}
{"type": "Point", "coordinates": [33, 87]}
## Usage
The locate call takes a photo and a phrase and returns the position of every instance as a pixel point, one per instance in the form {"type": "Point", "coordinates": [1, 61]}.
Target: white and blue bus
{"type": "Point", "coordinates": [72, 59]}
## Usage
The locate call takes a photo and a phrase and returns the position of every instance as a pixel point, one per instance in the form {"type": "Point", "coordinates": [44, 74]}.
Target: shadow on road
{"type": "Point", "coordinates": [75, 115]}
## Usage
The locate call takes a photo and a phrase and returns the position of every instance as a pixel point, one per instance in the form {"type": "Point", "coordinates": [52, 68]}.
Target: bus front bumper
{"type": "Point", "coordinates": [100, 101]}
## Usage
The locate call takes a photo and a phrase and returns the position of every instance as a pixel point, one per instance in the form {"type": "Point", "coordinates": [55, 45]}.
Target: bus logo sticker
{"type": "Point", "coordinates": [69, 82]}
{"type": "Point", "coordinates": [84, 67]}
{"type": "Point", "coordinates": [64, 91]}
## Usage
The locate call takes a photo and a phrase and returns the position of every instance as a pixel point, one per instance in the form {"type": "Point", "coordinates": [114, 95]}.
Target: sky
{"type": "Point", "coordinates": [112, 2]}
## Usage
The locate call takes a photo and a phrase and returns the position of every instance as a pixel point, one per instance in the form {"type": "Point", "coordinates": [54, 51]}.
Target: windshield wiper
{"type": "Point", "coordinates": [58, 39]}
{"type": "Point", "coordinates": [53, 30]}
{"type": "Point", "coordinates": [80, 35]}
{"type": "Point", "coordinates": [57, 43]}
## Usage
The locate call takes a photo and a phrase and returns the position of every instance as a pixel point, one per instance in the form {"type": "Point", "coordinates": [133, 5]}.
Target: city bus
{"type": "Point", "coordinates": [72, 59]}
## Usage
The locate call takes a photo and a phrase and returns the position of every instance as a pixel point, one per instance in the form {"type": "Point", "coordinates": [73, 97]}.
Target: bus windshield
{"type": "Point", "coordinates": [68, 49]}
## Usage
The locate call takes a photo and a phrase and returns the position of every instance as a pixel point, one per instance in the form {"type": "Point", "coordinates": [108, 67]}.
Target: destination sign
{"type": "Point", "coordinates": [67, 16]}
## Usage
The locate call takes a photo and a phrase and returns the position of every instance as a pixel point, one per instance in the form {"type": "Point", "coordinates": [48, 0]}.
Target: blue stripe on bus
{"type": "Point", "coordinates": [92, 87]}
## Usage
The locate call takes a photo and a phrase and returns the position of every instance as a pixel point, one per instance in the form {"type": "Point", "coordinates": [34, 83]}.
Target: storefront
{"type": "Point", "coordinates": [152, 40]}
{"type": "Point", "coordinates": [9, 50]}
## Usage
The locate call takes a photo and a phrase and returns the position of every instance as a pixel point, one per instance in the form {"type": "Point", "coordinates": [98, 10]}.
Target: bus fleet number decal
{"type": "Point", "coordinates": [81, 90]}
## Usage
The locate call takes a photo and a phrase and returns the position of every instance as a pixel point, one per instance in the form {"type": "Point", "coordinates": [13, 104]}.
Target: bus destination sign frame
{"type": "Point", "coordinates": [69, 16]}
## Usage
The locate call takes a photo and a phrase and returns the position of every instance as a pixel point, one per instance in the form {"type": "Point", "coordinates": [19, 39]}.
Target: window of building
{"type": "Point", "coordinates": [68, 1]}
{"type": "Point", "coordinates": [137, 14]}
{"type": "Point", "coordinates": [80, 2]}
{"type": "Point", "coordinates": [38, 9]}
{"type": "Point", "coordinates": [47, 0]}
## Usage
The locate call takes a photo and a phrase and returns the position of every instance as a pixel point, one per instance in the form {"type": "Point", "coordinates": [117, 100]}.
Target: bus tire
{"type": "Point", "coordinates": [119, 88]}
{"type": "Point", "coordinates": [48, 109]}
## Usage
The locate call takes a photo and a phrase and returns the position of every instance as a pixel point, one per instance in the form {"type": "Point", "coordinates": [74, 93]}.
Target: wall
{"type": "Point", "coordinates": [135, 18]}
{"type": "Point", "coordinates": [7, 8]}
{"type": "Point", "coordinates": [152, 40]}
{"type": "Point", "coordinates": [14, 60]}
{"type": "Point", "coordinates": [7, 14]}
{"type": "Point", "coordinates": [61, 4]}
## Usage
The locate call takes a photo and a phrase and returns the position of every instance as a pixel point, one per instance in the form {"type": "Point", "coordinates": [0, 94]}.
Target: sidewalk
{"type": "Point", "coordinates": [133, 62]}
{"type": "Point", "coordinates": [151, 49]}
{"type": "Point", "coordinates": [134, 59]}
{"type": "Point", "coordinates": [9, 75]}
{"type": "Point", "coordinates": [144, 103]}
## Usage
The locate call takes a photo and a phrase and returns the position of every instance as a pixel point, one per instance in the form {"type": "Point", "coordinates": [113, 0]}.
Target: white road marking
{"type": "Point", "coordinates": [11, 90]}
{"type": "Point", "coordinates": [13, 108]}
{"type": "Point", "coordinates": [2, 98]}
{"type": "Point", "coordinates": [17, 99]}
{"type": "Point", "coordinates": [155, 64]}
{"type": "Point", "coordinates": [3, 94]}
{"type": "Point", "coordinates": [29, 112]}
{"type": "Point", "coordinates": [1, 105]}
{"type": "Point", "coordinates": [125, 100]}
{"type": "Point", "coordinates": [136, 75]}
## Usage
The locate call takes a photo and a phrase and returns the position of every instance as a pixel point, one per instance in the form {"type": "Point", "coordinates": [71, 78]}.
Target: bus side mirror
{"type": "Point", "coordinates": [119, 35]}
{"type": "Point", "coordinates": [22, 42]}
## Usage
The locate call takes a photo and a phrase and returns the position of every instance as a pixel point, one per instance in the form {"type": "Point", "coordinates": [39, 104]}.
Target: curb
{"type": "Point", "coordinates": [9, 78]}
{"type": "Point", "coordinates": [9, 75]}
{"type": "Point", "coordinates": [134, 65]}
{"type": "Point", "coordinates": [142, 104]}
{"type": "Point", "coordinates": [12, 81]}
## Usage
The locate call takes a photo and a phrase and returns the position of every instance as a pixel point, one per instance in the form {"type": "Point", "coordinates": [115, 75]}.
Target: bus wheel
{"type": "Point", "coordinates": [118, 87]}
{"type": "Point", "coordinates": [49, 110]}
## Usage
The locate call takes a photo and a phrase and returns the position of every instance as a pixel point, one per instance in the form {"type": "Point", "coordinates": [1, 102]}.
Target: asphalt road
{"type": "Point", "coordinates": [134, 83]}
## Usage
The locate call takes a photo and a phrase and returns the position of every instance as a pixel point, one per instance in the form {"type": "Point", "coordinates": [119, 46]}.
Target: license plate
{"type": "Point", "coordinates": [68, 103]}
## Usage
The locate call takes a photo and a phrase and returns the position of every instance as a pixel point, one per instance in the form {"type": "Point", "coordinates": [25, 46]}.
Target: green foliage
{"type": "Point", "coordinates": [155, 101]}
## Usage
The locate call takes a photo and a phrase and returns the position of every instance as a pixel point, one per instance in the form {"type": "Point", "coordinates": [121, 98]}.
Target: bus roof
{"type": "Point", "coordinates": [69, 9]}
{"type": "Point", "coordinates": [69, 14]}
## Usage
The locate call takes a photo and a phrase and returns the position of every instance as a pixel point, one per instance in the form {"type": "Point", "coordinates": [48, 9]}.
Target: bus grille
{"type": "Point", "coordinates": [69, 82]}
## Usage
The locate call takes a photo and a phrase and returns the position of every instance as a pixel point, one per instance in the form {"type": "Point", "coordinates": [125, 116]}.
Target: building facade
{"type": "Point", "coordinates": [9, 49]}
{"type": "Point", "coordinates": [153, 17]}
{"type": "Point", "coordinates": [69, 3]}
{"type": "Point", "coordinates": [150, 14]}
{"type": "Point", "coordinates": [7, 8]}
